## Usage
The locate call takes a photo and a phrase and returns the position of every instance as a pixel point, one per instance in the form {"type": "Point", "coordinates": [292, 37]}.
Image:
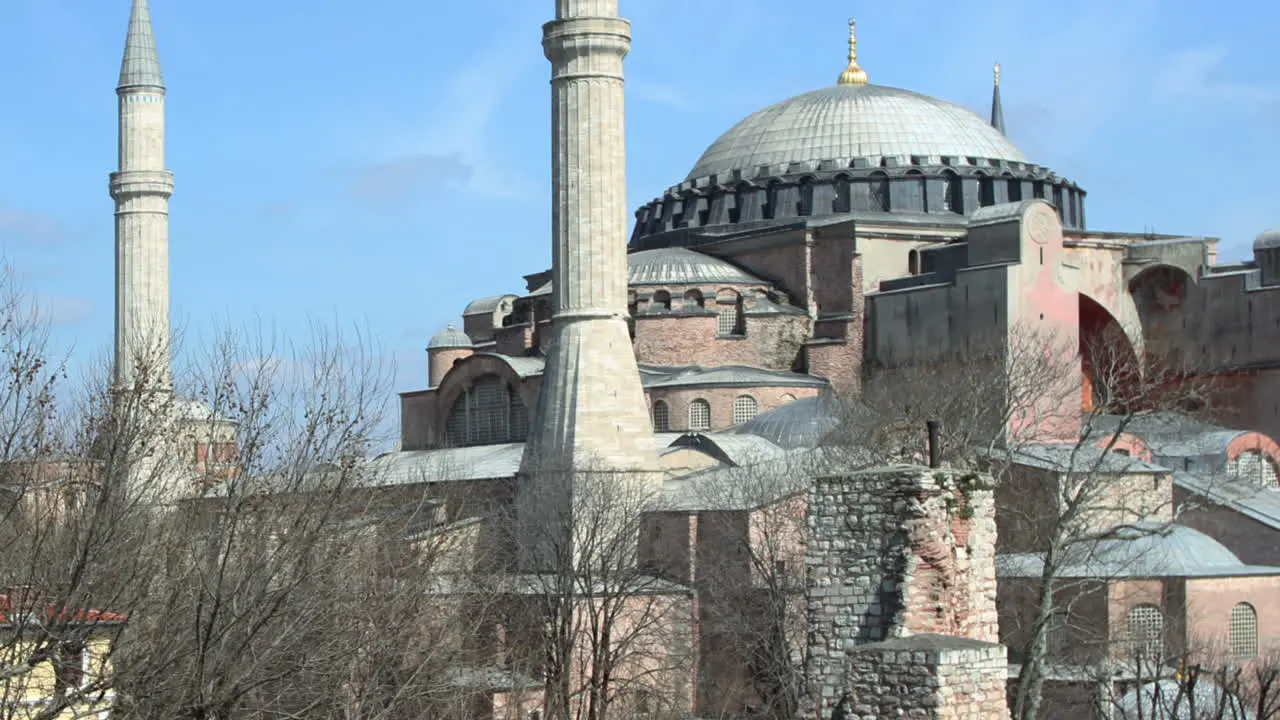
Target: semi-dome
{"type": "Point", "coordinates": [449, 338]}
{"type": "Point", "coordinates": [847, 121]}
{"type": "Point", "coordinates": [679, 266]}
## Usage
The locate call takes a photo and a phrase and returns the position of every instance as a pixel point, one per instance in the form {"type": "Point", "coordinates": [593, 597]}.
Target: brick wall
{"type": "Point", "coordinates": [721, 400]}
{"type": "Point", "coordinates": [771, 342]}
{"type": "Point", "coordinates": [891, 553]}
{"type": "Point", "coordinates": [927, 676]}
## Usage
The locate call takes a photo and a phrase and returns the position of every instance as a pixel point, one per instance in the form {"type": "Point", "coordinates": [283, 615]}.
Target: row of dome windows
{"type": "Point", "coordinates": [745, 408]}
{"type": "Point", "coordinates": [1145, 631]}
{"type": "Point", "coordinates": [730, 319]}
{"type": "Point", "coordinates": [953, 197]}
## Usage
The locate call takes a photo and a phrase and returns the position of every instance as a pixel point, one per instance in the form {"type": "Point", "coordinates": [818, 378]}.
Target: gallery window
{"type": "Point", "coordinates": [699, 415]}
{"type": "Point", "coordinates": [487, 413]}
{"type": "Point", "coordinates": [1145, 632]}
{"type": "Point", "coordinates": [661, 416]}
{"type": "Point", "coordinates": [1244, 631]}
{"type": "Point", "coordinates": [745, 407]}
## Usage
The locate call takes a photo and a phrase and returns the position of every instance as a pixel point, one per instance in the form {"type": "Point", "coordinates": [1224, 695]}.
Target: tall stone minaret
{"type": "Point", "coordinates": [141, 189]}
{"type": "Point", "coordinates": [591, 423]}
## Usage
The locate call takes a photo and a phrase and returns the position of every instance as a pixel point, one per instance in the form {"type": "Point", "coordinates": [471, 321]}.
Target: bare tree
{"type": "Point", "coordinates": [608, 637]}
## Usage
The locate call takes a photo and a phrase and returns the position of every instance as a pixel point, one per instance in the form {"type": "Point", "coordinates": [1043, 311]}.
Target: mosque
{"type": "Point", "coordinates": [823, 239]}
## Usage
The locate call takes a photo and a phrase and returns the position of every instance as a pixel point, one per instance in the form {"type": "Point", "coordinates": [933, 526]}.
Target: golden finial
{"type": "Point", "coordinates": [996, 69]}
{"type": "Point", "coordinates": [854, 74]}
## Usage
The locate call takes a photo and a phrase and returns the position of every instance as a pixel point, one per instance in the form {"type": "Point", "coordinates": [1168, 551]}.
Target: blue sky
{"type": "Point", "coordinates": [386, 161]}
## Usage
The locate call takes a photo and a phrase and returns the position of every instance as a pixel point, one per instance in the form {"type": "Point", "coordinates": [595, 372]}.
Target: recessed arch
{"type": "Point", "coordinates": [1159, 294]}
{"type": "Point", "coordinates": [1109, 362]}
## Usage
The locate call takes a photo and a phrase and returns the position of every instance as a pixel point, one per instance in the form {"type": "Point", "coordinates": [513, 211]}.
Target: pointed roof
{"type": "Point", "coordinates": [141, 63]}
{"type": "Point", "coordinates": [997, 109]}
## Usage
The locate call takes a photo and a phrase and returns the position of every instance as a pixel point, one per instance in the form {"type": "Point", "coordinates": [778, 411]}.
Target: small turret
{"type": "Point", "coordinates": [446, 348]}
{"type": "Point", "coordinates": [1266, 253]}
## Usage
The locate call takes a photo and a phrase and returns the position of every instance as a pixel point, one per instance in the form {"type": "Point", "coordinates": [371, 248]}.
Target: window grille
{"type": "Point", "coordinates": [728, 320]}
{"type": "Point", "coordinates": [699, 415]}
{"type": "Point", "coordinates": [1253, 466]}
{"type": "Point", "coordinates": [1244, 631]}
{"type": "Point", "coordinates": [1145, 626]}
{"type": "Point", "coordinates": [661, 417]}
{"type": "Point", "coordinates": [488, 412]}
{"type": "Point", "coordinates": [745, 407]}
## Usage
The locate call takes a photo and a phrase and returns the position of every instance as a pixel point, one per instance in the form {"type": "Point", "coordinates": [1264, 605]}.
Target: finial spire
{"type": "Point", "coordinates": [997, 109]}
{"type": "Point", "coordinates": [141, 64]}
{"type": "Point", "coordinates": [854, 74]}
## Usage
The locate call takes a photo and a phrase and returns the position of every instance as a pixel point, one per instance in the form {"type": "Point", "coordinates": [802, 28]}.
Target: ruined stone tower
{"type": "Point", "coordinates": [141, 189]}
{"type": "Point", "coordinates": [591, 417]}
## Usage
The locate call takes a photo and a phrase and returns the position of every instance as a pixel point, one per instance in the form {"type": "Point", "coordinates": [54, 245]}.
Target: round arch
{"type": "Point", "coordinates": [1159, 294]}
{"type": "Point", "coordinates": [1108, 359]}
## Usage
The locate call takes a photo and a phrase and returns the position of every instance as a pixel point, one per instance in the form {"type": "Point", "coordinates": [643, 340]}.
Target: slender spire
{"type": "Point", "coordinates": [997, 109]}
{"type": "Point", "coordinates": [141, 64]}
{"type": "Point", "coordinates": [854, 74]}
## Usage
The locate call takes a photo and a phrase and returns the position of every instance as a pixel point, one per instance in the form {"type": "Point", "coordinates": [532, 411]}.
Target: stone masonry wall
{"type": "Point", "coordinates": [927, 676]}
{"type": "Point", "coordinates": [896, 552]}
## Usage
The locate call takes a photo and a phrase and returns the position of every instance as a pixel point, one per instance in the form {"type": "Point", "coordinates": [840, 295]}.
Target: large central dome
{"type": "Point", "coordinates": [853, 121]}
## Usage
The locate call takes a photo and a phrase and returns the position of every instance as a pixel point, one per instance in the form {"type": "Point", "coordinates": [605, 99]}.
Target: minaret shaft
{"type": "Point", "coordinates": [591, 418]}
{"type": "Point", "coordinates": [141, 189]}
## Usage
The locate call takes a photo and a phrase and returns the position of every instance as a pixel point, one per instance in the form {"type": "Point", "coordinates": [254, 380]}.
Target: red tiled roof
{"type": "Point", "coordinates": [51, 612]}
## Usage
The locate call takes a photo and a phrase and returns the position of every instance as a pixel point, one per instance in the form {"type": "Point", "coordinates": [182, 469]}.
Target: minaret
{"type": "Point", "coordinates": [591, 421]}
{"type": "Point", "coordinates": [141, 190]}
{"type": "Point", "coordinates": [997, 110]}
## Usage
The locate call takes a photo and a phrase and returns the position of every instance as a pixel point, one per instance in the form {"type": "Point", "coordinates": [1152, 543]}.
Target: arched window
{"type": "Point", "coordinates": [841, 203]}
{"type": "Point", "coordinates": [731, 319]}
{"type": "Point", "coordinates": [693, 300]}
{"type": "Point", "coordinates": [879, 191]}
{"type": "Point", "coordinates": [952, 193]}
{"type": "Point", "coordinates": [1244, 631]}
{"type": "Point", "coordinates": [1144, 631]}
{"type": "Point", "coordinates": [1255, 467]}
{"type": "Point", "coordinates": [1015, 190]}
{"type": "Point", "coordinates": [661, 416]}
{"type": "Point", "coordinates": [745, 407]}
{"type": "Point", "coordinates": [805, 205]}
{"type": "Point", "coordinates": [699, 415]}
{"type": "Point", "coordinates": [661, 300]}
{"type": "Point", "coordinates": [786, 399]}
{"type": "Point", "coordinates": [920, 191]}
{"type": "Point", "coordinates": [487, 413]}
{"type": "Point", "coordinates": [986, 191]}
{"type": "Point", "coordinates": [1037, 189]}
{"type": "Point", "coordinates": [770, 200]}
{"type": "Point", "coordinates": [740, 196]}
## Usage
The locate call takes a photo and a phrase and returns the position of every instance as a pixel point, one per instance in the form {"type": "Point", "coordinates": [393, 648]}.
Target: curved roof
{"type": "Point", "coordinates": [1267, 240]}
{"type": "Point", "coordinates": [681, 266]}
{"type": "Point", "coordinates": [486, 305]}
{"type": "Point", "coordinates": [802, 423]}
{"type": "Point", "coordinates": [1148, 549]}
{"type": "Point", "coordinates": [668, 376]}
{"type": "Point", "coordinates": [853, 121]}
{"type": "Point", "coordinates": [448, 338]}
{"type": "Point", "coordinates": [677, 266]}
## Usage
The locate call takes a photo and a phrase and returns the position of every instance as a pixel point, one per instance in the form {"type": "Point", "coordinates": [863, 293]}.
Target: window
{"type": "Point", "coordinates": [986, 191]}
{"type": "Point", "coordinates": [69, 664]}
{"type": "Point", "coordinates": [732, 320]}
{"type": "Point", "coordinates": [745, 407]}
{"type": "Point", "coordinates": [1244, 631]}
{"type": "Point", "coordinates": [805, 204]}
{"type": "Point", "coordinates": [693, 300]}
{"type": "Point", "coordinates": [486, 413]}
{"type": "Point", "coordinates": [1144, 628]}
{"type": "Point", "coordinates": [662, 300]}
{"type": "Point", "coordinates": [699, 415]}
{"type": "Point", "coordinates": [770, 201]}
{"type": "Point", "coordinates": [1253, 466]}
{"type": "Point", "coordinates": [952, 193]}
{"type": "Point", "coordinates": [841, 202]}
{"type": "Point", "coordinates": [661, 416]}
{"type": "Point", "coordinates": [1015, 190]}
{"type": "Point", "coordinates": [879, 192]}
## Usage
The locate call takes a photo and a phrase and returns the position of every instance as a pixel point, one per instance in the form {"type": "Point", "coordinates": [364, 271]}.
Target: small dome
{"type": "Point", "coordinates": [449, 338]}
{"type": "Point", "coordinates": [853, 121]}
{"type": "Point", "coordinates": [679, 266]}
{"type": "Point", "coordinates": [802, 423]}
{"type": "Point", "coordinates": [1267, 240]}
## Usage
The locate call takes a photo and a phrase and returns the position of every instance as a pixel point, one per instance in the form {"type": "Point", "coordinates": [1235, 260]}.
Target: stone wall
{"type": "Point", "coordinates": [895, 552]}
{"type": "Point", "coordinates": [927, 676]}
